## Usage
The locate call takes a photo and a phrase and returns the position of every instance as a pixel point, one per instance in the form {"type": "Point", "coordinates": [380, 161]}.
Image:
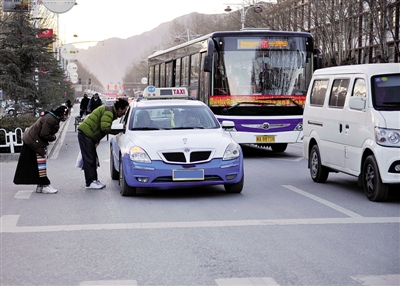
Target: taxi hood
{"type": "Point", "coordinates": [175, 140]}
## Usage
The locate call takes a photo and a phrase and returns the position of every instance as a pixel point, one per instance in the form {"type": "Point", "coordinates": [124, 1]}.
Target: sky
{"type": "Point", "coordinates": [97, 20]}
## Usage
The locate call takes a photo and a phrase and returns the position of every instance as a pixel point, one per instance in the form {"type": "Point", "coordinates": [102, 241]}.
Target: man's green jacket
{"type": "Point", "coordinates": [98, 123]}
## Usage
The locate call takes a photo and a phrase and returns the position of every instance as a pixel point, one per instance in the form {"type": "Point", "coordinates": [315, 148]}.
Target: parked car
{"type": "Point", "coordinates": [169, 141]}
{"type": "Point", "coordinates": [351, 124]}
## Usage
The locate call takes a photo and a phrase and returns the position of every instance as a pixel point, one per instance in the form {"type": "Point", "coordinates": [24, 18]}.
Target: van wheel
{"type": "Point", "coordinates": [374, 189]}
{"type": "Point", "coordinates": [279, 147]}
{"type": "Point", "coordinates": [114, 173]}
{"type": "Point", "coordinates": [125, 190]}
{"type": "Point", "coordinates": [318, 172]}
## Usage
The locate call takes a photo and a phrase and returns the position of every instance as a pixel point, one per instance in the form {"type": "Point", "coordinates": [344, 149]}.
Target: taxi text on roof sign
{"type": "Point", "coordinates": [152, 92]}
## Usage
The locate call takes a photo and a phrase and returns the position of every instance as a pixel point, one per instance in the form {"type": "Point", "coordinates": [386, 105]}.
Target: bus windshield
{"type": "Point", "coordinates": [254, 69]}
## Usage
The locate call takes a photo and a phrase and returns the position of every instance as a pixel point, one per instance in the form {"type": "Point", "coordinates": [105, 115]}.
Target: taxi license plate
{"type": "Point", "coordinates": [265, 138]}
{"type": "Point", "coordinates": [187, 175]}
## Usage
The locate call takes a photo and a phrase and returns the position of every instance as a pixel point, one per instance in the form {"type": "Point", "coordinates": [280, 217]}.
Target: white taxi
{"type": "Point", "coordinates": [170, 141]}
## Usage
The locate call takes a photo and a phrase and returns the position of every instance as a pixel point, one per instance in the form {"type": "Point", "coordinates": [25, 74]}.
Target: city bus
{"type": "Point", "coordinates": [256, 78]}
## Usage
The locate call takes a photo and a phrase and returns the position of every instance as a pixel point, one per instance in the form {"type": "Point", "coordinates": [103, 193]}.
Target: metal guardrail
{"type": "Point", "coordinates": [11, 139]}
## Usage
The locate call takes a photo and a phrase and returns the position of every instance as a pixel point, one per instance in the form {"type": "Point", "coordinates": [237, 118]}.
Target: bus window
{"type": "Point", "coordinates": [185, 71]}
{"type": "Point", "coordinates": [157, 75]}
{"type": "Point", "coordinates": [194, 70]}
{"type": "Point", "coordinates": [178, 72]}
{"type": "Point", "coordinates": [162, 75]}
{"type": "Point", "coordinates": [168, 74]}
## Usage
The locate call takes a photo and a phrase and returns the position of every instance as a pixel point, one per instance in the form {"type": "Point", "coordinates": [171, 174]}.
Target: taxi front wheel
{"type": "Point", "coordinates": [114, 173]}
{"type": "Point", "coordinates": [235, 188]}
{"type": "Point", "coordinates": [125, 190]}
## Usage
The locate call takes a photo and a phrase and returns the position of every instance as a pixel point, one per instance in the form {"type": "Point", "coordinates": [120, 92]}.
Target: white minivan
{"type": "Point", "coordinates": [351, 124]}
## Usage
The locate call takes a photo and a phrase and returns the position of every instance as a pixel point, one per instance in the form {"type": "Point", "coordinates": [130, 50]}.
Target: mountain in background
{"type": "Point", "coordinates": [108, 60]}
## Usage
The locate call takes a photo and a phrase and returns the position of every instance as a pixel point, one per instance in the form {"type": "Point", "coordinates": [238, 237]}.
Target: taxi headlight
{"type": "Point", "coordinates": [387, 137]}
{"type": "Point", "coordinates": [232, 152]}
{"type": "Point", "coordinates": [137, 154]}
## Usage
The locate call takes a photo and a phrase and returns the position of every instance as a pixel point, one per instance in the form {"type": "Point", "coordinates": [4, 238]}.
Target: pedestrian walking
{"type": "Point", "coordinates": [94, 102]}
{"type": "Point", "coordinates": [84, 105]}
{"type": "Point", "coordinates": [32, 167]}
{"type": "Point", "coordinates": [92, 129]}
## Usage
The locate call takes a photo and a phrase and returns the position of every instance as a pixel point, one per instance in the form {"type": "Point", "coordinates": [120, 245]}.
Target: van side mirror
{"type": "Point", "coordinates": [207, 63]}
{"type": "Point", "coordinates": [357, 103]}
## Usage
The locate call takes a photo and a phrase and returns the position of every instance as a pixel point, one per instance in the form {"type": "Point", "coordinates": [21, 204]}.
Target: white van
{"type": "Point", "coordinates": [351, 124]}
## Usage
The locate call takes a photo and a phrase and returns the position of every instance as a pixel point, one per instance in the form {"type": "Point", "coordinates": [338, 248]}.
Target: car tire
{"type": "Point", "coordinates": [374, 189]}
{"type": "Point", "coordinates": [125, 189]}
{"type": "Point", "coordinates": [235, 188]}
{"type": "Point", "coordinates": [11, 112]}
{"type": "Point", "coordinates": [318, 172]}
{"type": "Point", "coordinates": [114, 173]}
{"type": "Point", "coordinates": [280, 147]}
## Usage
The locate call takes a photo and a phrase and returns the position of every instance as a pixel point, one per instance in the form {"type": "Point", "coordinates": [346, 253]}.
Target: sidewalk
{"type": "Point", "coordinates": [6, 157]}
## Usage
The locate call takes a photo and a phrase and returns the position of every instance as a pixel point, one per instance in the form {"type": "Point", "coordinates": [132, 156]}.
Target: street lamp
{"type": "Point", "coordinates": [244, 10]}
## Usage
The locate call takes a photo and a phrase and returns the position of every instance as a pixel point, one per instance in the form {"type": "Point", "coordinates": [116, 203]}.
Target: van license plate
{"type": "Point", "coordinates": [265, 138]}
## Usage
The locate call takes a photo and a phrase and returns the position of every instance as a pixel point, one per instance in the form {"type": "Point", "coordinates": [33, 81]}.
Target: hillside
{"type": "Point", "coordinates": [108, 60]}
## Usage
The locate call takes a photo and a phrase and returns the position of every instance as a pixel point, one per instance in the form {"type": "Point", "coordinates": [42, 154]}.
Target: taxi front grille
{"type": "Point", "coordinates": [194, 157]}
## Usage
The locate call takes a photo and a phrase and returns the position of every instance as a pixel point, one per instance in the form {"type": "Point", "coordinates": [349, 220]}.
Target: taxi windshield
{"type": "Point", "coordinates": [173, 117]}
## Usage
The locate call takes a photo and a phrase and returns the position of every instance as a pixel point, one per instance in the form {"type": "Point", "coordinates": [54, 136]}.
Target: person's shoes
{"type": "Point", "coordinates": [95, 185]}
{"type": "Point", "coordinates": [39, 188]}
{"type": "Point", "coordinates": [101, 184]}
{"type": "Point", "coordinates": [48, 190]}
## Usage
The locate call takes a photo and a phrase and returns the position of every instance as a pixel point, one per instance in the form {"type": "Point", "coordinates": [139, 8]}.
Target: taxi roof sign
{"type": "Point", "coordinates": [152, 92]}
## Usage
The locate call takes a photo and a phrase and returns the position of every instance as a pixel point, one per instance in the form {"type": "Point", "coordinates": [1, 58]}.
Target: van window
{"type": "Point", "coordinates": [360, 88]}
{"type": "Point", "coordinates": [385, 92]}
{"type": "Point", "coordinates": [338, 93]}
{"type": "Point", "coordinates": [318, 92]}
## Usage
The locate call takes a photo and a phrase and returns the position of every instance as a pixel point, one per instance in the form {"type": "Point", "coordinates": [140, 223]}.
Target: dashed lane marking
{"type": "Point", "coordinates": [23, 195]}
{"type": "Point", "coordinates": [324, 202]}
{"type": "Point", "coordinates": [109, 282]}
{"type": "Point", "coordinates": [370, 280]}
{"type": "Point", "coordinates": [261, 281]}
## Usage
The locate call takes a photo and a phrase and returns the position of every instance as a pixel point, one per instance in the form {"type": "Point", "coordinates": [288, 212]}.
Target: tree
{"type": "Point", "coordinates": [29, 72]}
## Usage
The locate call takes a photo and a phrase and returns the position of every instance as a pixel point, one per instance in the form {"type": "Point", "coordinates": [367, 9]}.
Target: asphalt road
{"type": "Point", "coordinates": [283, 229]}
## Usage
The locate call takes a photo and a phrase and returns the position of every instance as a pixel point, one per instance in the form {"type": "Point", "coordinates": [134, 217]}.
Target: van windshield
{"type": "Point", "coordinates": [386, 92]}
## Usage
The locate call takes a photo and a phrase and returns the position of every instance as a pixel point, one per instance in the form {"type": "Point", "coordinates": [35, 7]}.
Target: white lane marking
{"type": "Point", "coordinates": [324, 202]}
{"type": "Point", "coordinates": [246, 281]}
{"type": "Point", "coordinates": [109, 282]}
{"type": "Point", "coordinates": [23, 195]}
{"type": "Point", "coordinates": [60, 142]}
{"type": "Point", "coordinates": [370, 280]}
{"type": "Point", "coordinates": [9, 224]}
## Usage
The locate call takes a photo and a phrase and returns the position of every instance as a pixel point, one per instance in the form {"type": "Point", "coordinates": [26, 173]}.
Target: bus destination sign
{"type": "Point", "coordinates": [247, 44]}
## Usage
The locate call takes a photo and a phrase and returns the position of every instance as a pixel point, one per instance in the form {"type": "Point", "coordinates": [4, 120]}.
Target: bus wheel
{"type": "Point", "coordinates": [318, 172]}
{"type": "Point", "coordinates": [126, 190]}
{"type": "Point", "coordinates": [374, 189]}
{"type": "Point", "coordinates": [279, 147]}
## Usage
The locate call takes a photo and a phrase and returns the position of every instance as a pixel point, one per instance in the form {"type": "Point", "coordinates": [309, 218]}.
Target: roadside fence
{"type": "Point", "coordinates": [11, 139]}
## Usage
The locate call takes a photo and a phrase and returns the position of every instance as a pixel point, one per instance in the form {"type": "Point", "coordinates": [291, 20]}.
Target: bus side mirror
{"type": "Point", "coordinates": [207, 63]}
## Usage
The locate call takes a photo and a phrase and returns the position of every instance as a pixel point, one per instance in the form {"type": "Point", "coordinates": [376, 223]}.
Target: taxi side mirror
{"type": "Point", "coordinates": [227, 124]}
{"type": "Point", "coordinates": [118, 127]}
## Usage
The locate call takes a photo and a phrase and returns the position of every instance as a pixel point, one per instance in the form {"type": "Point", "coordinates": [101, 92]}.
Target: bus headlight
{"type": "Point", "coordinates": [137, 154]}
{"type": "Point", "coordinates": [231, 152]}
{"type": "Point", "coordinates": [299, 127]}
{"type": "Point", "coordinates": [387, 137]}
